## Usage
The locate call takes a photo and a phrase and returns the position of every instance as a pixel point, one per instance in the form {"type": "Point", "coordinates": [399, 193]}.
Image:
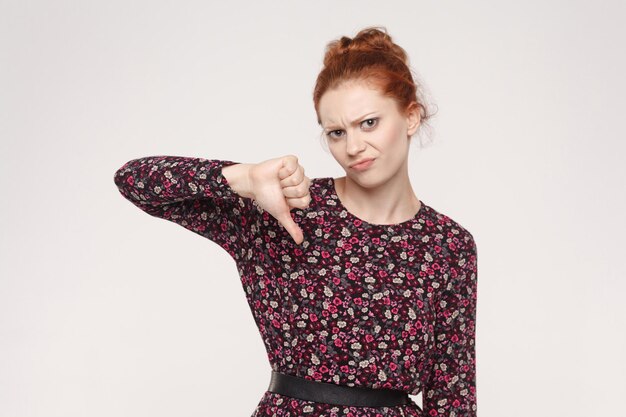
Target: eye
{"type": "Point", "coordinates": [330, 134]}
{"type": "Point", "coordinates": [373, 119]}
{"type": "Point", "coordinates": [367, 123]}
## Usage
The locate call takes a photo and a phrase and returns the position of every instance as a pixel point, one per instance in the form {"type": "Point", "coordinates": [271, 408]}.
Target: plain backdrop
{"type": "Point", "coordinates": [106, 311]}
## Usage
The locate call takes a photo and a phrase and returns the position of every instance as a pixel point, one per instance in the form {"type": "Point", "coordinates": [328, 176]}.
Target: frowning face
{"type": "Point", "coordinates": [360, 124]}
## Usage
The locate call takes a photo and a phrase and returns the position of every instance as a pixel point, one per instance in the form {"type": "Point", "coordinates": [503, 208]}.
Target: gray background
{"type": "Point", "coordinates": [106, 311]}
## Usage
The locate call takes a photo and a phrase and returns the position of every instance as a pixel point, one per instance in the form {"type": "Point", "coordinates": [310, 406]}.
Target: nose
{"type": "Point", "coordinates": [354, 143]}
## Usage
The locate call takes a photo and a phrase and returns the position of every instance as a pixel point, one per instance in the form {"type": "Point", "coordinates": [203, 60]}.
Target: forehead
{"type": "Point", "coordinates": [351, 101]}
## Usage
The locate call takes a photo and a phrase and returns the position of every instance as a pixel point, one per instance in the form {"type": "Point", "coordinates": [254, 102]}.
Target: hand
{"type": "Point", "coordinates": [278, 185]}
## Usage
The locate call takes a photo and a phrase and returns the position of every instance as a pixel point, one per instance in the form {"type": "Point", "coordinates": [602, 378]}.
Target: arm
{"type": "Point", "coordinates": [194, 193]}
{"type": "Point", "coordinates": [451, 386]}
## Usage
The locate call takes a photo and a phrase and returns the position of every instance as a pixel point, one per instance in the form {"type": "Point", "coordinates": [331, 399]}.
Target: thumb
{"type": "Point", "coordinates": [292, 228]}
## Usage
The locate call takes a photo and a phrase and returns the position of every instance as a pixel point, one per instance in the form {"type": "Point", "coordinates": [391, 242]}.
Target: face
{"type": "Point", "coordinates": [360, 123]}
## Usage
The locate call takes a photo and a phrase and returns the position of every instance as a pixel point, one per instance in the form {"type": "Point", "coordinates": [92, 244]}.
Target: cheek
{"type": "Point", "coordinates": [335, 152]}
{"type": "Point", "coordinates": [391, 140]}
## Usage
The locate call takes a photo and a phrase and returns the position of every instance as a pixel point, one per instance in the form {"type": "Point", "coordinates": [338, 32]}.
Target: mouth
{"type": "Point", "coordinates": [362, 164]}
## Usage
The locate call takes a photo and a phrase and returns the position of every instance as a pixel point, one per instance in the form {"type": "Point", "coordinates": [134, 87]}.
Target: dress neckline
{"type": "Point", "coordinates": [354, 218]}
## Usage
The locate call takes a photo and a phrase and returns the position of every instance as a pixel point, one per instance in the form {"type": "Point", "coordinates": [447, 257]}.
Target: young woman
{"type": "Point", "coordinates": [362, 293]}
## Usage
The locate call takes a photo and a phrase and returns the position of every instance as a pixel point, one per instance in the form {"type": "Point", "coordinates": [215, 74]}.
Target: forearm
{"type": "Point", "coordinates": [194, 193]}
{"type": "Point", "coordinates": [166, 179]}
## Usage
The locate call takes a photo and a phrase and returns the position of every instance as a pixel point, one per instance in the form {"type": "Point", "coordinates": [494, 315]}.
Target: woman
{"type": "Point", "coordinates": [361, 291]}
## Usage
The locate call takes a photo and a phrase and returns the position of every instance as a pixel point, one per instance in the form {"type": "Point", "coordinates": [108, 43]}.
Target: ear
{"type": "Point", "coordinates": [413, 118]}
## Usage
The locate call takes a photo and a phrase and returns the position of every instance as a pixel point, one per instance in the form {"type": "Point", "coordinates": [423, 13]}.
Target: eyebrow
{"type": "Point", "coordinates": [355, 121]}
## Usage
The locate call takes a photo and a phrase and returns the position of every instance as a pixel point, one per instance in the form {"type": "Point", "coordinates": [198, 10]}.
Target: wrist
{"type": "Point", "coordinates": [238, 177]}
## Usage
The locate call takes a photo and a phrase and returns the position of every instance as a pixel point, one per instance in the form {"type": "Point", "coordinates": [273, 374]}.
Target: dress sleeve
{"type": "Point", "coordinates": [451, 386]}
{"type": "Point", "coordinates": [193, 193]}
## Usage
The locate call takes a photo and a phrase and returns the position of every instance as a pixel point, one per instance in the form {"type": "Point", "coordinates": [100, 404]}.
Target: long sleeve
{"type": "Point", "coordinates": [191, 192]}
{"type": "Point", "coordinates": [450, 390]}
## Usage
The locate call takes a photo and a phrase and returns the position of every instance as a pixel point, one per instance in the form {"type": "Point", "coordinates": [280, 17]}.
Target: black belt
{"type": "Point", "coordinates": [324, 392]}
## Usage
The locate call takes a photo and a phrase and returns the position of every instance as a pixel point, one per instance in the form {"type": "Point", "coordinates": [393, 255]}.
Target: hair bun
{"type": "Point", "coordinates": [368, 40]}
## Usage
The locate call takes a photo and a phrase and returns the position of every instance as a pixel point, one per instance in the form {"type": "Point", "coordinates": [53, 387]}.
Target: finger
{"type": "Point", "coordinates": [296, 186]}
{"type": "Point", "coordinates": [300, 202]}
{"type": "Point", "coordinates": [294, 179]}
{"type": "Point", "coordinates": [299, 190]}
{"type": "Point", "coordinates": [290, 165]}
{"type": "Point", "coordinates": [292, 228]}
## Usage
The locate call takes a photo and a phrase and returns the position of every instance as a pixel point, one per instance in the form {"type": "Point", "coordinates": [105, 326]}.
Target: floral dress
{"type": "Point", "coordinates": [356, 304]}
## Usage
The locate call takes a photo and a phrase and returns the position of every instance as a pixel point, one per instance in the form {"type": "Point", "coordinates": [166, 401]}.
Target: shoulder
{"type": "Point", "coordinates": [457, 256]}
{"type": "Point", "coordinates": [455, 238]}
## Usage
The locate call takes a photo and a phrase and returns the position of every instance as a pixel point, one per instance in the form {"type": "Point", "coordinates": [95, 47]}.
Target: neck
{"type": "Point", "coordinates": [387, 203]}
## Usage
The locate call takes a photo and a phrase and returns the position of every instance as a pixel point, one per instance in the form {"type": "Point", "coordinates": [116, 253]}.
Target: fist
{"type": "Point", "coordinates": [278, 185]}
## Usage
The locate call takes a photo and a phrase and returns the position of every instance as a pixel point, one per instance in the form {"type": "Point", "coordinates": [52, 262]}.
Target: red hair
{"type": "Point", "coordinates": [372, 57]}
